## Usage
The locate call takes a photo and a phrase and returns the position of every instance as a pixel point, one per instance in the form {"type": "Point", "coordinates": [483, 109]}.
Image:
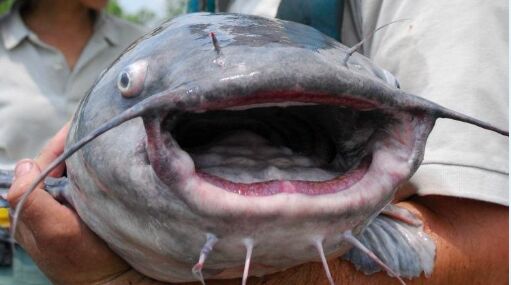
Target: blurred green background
{"type": "Point", "coordinates": [150, 14]}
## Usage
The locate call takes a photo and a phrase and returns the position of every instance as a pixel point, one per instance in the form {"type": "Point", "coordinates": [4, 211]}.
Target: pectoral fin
{"type": "Point", "coordinates": [398, 239]}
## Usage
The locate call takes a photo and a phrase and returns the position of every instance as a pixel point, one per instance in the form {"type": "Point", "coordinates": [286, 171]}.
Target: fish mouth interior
{"type": "Point", "coordinates": [265, 149]}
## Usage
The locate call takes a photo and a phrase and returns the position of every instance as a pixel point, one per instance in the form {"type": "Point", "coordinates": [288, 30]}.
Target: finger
{"type": "Point", "coordinates": [35, 213]}
{"type": "Point", "coordinates": [52, 150]}
{"type": "Point", "coordinates": [24, 169]}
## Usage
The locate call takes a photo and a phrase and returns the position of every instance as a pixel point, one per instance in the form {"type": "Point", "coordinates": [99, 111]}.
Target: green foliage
{"type": "Point", "coordinates": [175, 8]}
{"type": "Point", "coordinates": [142, 16]}
{"type": "Point", "coordinates": [5, 5]}
{"type": "Point", "coordinates": [114, 8]}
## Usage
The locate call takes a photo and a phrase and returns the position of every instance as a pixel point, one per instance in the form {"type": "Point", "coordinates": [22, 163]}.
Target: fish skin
{"type": "Point", "coordinates": [159, 223]}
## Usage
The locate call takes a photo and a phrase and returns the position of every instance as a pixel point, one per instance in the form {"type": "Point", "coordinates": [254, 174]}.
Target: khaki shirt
{"type": "Point", "coordinates": [454, 53]}
{"type": "Point", "coordinates": [38, 91]}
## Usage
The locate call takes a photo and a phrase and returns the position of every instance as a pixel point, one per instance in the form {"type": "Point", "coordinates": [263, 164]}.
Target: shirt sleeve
{"type": "Point", "coordinates": [454, 53]}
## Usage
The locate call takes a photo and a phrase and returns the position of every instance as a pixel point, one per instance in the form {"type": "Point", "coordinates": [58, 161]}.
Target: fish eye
{"type": "Point", "coordinates": [131, 80]}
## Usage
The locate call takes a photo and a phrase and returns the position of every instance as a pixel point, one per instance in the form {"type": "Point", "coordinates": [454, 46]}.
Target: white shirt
{"type": "Point", "coordinates": [38, 91]}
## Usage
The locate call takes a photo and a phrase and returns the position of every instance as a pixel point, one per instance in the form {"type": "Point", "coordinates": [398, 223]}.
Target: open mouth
{"type": "Point", "coordinates": [275, 146]}
{"type": "Point", "coordinates": [314, 148]}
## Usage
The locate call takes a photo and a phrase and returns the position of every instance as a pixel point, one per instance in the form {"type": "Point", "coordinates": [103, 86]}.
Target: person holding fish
{"type": "Point", "coordinates": [461, 200]}
{"type": "Point", "coordinates": [51, 52]}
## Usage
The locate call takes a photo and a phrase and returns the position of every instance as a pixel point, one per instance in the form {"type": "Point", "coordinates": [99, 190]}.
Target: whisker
{"type": "Point", "coordinates": [354, 48]}
{"type": "Point", "coordinates": [211, 240]}
{"type": "Point", "coordinates": [318, 243]}
{"type": "Point", "coordinates": [249, 244]}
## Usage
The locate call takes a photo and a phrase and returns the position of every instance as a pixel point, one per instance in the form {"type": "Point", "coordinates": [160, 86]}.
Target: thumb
{"type": "Point", "coordinates": [37, 205]}
{"type": "Point", "coordinates": [25, 173]}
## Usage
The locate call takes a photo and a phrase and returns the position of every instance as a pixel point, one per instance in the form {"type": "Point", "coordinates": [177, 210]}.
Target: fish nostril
{"type": "Point", "coordinates": [141, 151]}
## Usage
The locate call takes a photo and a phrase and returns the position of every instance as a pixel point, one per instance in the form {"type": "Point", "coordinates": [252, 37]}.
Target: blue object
{"type": "Point", "coordinates": [201, 6]}
{"type": "Point", "coordinates": [323, 15]}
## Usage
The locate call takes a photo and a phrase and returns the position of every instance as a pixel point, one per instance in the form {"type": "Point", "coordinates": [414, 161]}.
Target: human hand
{"type": "Point", "coordinates": [63, 247]}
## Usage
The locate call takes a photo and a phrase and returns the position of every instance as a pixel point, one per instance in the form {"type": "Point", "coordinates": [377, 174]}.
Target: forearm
{"type": "Point", "coordinates": [471, 236]}
{"type": "Point", "coordinates": [471, 239]}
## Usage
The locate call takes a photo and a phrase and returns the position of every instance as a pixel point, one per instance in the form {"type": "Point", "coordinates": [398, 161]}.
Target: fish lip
{"type": "Point", "coordinates": [184, 174]}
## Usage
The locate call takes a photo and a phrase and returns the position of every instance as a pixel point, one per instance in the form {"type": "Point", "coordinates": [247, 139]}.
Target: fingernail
{"type": "Point", "coordinates": [23, 167]}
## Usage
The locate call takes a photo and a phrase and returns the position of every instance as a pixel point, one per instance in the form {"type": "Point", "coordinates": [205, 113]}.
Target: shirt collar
{"type": "Point", "coordinates": [13, 30]}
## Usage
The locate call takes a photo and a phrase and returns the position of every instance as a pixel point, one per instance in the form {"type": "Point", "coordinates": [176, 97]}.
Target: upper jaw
{"type": "Point", "coordinates": [390, 158]}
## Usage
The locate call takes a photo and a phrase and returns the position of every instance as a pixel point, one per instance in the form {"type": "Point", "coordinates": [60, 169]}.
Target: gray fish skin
{"type": "Point", "coordinates": [141, 193]}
